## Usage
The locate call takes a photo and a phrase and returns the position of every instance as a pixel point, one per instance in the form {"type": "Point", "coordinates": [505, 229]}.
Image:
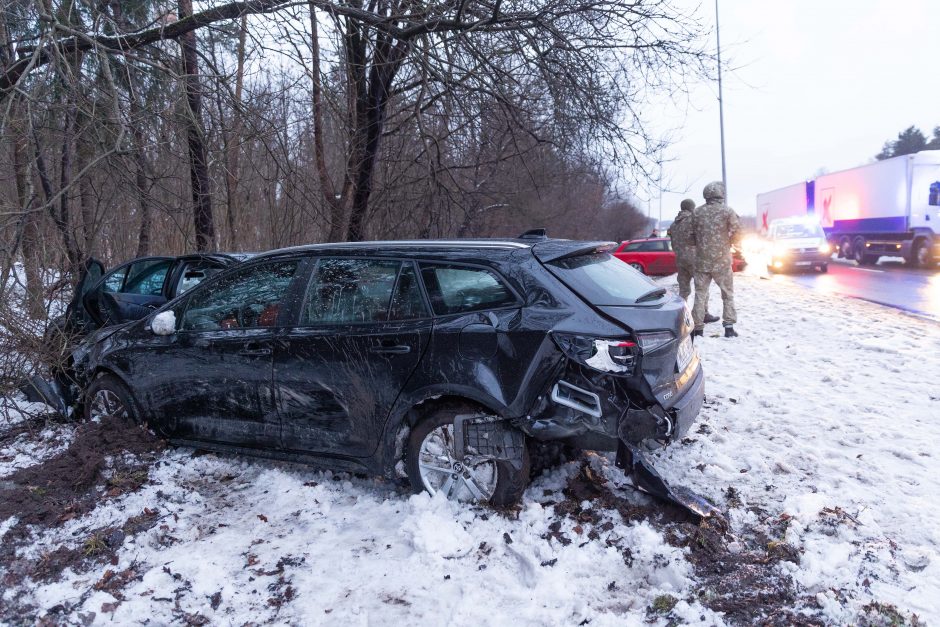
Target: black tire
{"type": "Point", "coordinates": [858, 251]}
{"type": "Point", "coordinates": [637, 267]}
{"type": "Point", "coordinates": [845, 248]}
{"type": "Point", "coordinates": [510, 483]}
{"type": "Point", "coordinates": [101, 396]}
{"type": "Point", "coordinates": [920, 254]}
{"type": "Point", "coordinates": [824, 268]}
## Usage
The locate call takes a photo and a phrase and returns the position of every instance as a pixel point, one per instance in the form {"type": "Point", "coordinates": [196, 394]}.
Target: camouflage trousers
{"type": "Point", "coordinates": [724, 278]}
{"type": "Point", "coordinates": [685, 283]}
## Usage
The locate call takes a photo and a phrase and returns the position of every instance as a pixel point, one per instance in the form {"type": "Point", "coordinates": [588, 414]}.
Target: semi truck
{"type": "Point", "coordinates": [889, 208]}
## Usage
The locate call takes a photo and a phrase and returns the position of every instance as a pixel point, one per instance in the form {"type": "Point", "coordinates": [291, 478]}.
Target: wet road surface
{"type": "Point", "coordinates": [889, 283]}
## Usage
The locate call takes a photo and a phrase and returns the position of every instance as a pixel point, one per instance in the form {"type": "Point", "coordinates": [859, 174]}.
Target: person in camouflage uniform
{"type": "Point", "coordinates": [716, 228]}
{"type": "Point", "coordinates": [682, 234]}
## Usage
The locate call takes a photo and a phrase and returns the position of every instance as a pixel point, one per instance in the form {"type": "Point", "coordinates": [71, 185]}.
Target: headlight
{"type": "Point", "coordinates": [825, 249]}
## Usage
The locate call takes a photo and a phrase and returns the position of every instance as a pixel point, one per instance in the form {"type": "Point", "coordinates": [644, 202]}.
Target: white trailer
{"type": "Point", "coordinates": [887, 208]}
{"type": "Point", "coordinates": [787, 202]}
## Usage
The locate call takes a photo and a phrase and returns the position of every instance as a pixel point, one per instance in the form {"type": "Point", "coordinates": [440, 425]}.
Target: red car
{"type": "Point", "coordinates": [655, 256]}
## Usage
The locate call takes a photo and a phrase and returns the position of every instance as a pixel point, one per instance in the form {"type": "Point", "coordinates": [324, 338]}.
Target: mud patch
{"type": "Point", "coordinates": [738, 572]}
{"type": "Point", "coordinates": [104, 460]}
{"type": "Point", "coordinates": [63, 486]}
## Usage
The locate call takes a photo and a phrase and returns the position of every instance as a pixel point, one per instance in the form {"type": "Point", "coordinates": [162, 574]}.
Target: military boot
{"type": "Point", "coordinates": [730, 332]}
{"type": "Point", "coordinates": [697, 333]}
{"type": "Point", "coordinates": [710, 318]}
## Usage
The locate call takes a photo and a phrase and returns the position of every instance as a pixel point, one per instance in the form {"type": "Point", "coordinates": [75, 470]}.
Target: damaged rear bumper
{"type": "Point", "coordinates": [595, 411]}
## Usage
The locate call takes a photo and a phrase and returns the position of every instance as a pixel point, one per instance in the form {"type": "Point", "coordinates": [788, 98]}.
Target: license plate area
{"type": "Point", "coordinates": [684, 355]}
{"type": "Point", "coordinates": [804, 263]}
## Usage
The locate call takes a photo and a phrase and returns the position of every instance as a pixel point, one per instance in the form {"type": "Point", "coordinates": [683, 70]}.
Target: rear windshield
{"type": "Point", "coordinates": [602, 279]}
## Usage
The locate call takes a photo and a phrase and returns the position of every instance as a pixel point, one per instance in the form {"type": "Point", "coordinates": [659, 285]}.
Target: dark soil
{"type": "Point", "coordinates": [742, 581]}
{"type": "Point", "coordinates": [105, 460]}
{"type": "Point", "coordinates": [63, 486]}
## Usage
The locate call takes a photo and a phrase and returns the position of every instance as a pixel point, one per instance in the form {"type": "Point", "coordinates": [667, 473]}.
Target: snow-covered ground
{"type": "Point", "coordinates": [819, 438]}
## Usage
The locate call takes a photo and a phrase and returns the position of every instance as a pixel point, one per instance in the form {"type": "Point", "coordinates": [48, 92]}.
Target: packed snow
{"type": "Point", "coordinates": [818, 438]}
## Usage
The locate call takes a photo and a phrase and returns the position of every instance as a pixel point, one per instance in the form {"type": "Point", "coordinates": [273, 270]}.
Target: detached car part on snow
{"type": "Point", "coordinates": [433, 358]}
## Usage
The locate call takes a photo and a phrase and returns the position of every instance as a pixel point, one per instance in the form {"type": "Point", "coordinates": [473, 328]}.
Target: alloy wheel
{"type": "Point", "coordinates": [107, 403]}
{"type": "Point", "coordinates": [472, 478]}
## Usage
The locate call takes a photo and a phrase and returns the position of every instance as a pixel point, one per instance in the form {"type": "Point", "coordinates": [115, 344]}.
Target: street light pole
{"type": "Point", "coordinates": [721, 106]}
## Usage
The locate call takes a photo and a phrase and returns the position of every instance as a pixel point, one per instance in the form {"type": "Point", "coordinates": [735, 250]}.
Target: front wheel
{"type": "Point", "coordinates": [921, 254]}
{"type": "Point", "coordinates": [433, 466]}
{"type": "Point", "coordinates": [824, 268]}
{"type": "Point", "coordinates": [108, 396]}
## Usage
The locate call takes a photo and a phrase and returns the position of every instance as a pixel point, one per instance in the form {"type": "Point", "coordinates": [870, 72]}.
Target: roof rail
{"type": "Point", "coordinates": [534, 234]}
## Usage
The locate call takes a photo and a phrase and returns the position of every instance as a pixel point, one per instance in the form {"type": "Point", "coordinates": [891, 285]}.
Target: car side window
{"type": "Point", "coordinates": [147, 278]}
{"type": "Point", "coordinates": [247, 299]}
{"type": "Point", "coordinates": [408, 301]}
{"type": "Point", "coordinates": [345, 291]}
{"type": "Point", "coordinates": [632, 247]}
{"type": "Point", "coordinates": [194, 273]}
{"type": "Point", "coordinates": [115, 280]}
{"type": "Point", "coordinates": [646, 247]}
{"type": "Point", "coordinates": [457, 289]}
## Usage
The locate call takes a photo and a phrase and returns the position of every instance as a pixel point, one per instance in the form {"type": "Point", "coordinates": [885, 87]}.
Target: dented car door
{"type": "Point", "coordinates": [362, 330]}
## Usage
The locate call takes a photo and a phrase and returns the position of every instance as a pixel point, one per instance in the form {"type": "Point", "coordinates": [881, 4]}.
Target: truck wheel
{"type": "Point", "coordinates": [858, 252]}
{"type": "Point", "coordinates": [845, 248]}
{"type": "Point", "coordinates": [920, 255]}
{"type": "Point", "coordinates": [432, 466]}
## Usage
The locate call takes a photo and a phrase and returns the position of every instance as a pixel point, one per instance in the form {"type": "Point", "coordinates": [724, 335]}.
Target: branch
{"type": "Point", "coordinates": [32, 57]}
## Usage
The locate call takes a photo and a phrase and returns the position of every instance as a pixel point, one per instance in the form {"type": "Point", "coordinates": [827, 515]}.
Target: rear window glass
{"type": "Point", "coordinates": [456, 289]}
{"type": "Point", "coordinates": [602, 279]}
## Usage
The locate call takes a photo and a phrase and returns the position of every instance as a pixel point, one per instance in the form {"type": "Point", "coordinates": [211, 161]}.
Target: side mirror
{"type": "Point", "coordinates": [164, 323]}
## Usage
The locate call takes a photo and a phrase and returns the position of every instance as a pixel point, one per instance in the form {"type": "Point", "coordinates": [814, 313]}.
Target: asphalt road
{"type": "Point", "coordinates": [889, 283]}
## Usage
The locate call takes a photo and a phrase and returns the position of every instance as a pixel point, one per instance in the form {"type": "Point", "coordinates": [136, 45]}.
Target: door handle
{"type": "Point", "coordinates": [254, 350]}
{"type": "Point", "coordinates": [391, 349]}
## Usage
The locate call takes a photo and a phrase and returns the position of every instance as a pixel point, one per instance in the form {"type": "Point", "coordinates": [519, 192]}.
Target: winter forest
{"type": "Point", "coordinates": [136, 127]}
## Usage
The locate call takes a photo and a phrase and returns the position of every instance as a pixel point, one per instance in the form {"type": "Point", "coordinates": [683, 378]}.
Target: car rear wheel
{"type": "Point", "coordinates": [637, 267]}
{"type": "Point", "coordinates": [108, 396]}
{"type": "Point", "coordinates": [433, 466]}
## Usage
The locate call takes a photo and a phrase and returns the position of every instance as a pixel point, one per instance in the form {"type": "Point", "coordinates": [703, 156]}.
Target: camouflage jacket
{"type": "Point", "coordinates": [682, 233]}
{"type": "Point", "coordinates": [716, 229]}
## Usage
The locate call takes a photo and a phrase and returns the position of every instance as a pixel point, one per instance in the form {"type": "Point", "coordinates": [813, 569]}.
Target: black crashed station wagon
{"type": "Point", "coordinates": [439, 362]}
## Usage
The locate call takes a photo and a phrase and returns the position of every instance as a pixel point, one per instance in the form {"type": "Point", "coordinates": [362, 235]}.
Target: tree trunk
{"type": "Point", "coordinates": [233, 141]}
{"type": "Point", "coordinates": [35, 305]}
{"type": "Point", "coordinates": [195, 135]}
{"type": "Point", "coordinates": [141, 182]}
{"type": "Point", "coordinates": [386, 61]}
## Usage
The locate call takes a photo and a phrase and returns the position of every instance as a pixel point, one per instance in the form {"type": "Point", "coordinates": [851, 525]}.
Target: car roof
{"type": "Point", "coordinates": [544, 248]}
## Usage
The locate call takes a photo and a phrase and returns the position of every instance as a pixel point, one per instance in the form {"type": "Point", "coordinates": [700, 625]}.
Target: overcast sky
{"type": "Point", "coordinates": [817, 84]}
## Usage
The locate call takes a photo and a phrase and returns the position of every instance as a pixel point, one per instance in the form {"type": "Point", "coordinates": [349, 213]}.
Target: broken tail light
{"type": "Point", "coordinates": [617, 355]}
